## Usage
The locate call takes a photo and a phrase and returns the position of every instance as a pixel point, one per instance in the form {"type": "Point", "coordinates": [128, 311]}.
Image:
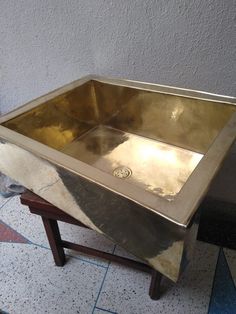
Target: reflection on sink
{"type": "Point", "coordinates": [131, 160]}
{"type": "Point", "coordinates": [156, 167]}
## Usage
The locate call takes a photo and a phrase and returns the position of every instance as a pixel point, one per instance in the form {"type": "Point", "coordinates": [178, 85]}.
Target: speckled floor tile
{"type": "Point", "coordinates": [31, 227]}
{"type": "Point", "coordinates": [231, 260]}
{"type": "Point", "coordinates": [31, 284]}
{"type": "Point", "coordinates": [19, 218]}
{"type": "Point", "coordinates": [126, 290]}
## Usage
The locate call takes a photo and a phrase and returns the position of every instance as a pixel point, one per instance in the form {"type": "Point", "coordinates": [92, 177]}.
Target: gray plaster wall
{"type": "Point", "coordinates": [47, 43]}
{"type": "Point", "coordinates": [185, 43]}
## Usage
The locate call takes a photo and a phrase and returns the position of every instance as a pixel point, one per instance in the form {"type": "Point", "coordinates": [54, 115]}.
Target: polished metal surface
{"type": "Point", "coordinates": [131, 160]}
{"type": "Point", "coordinates": [156, 167]}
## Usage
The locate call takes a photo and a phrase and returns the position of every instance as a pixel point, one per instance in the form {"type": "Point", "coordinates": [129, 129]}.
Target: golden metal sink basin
{"type": "Point", "coordinates": [131, 160]}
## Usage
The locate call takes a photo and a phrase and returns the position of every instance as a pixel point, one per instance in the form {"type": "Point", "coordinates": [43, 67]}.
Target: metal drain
{"type": "Point", "coordinates": [122, 172]}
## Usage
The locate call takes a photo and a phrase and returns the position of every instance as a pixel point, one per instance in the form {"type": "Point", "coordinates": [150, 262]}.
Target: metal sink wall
{"type": "Point", "coordinates": [131, 160]}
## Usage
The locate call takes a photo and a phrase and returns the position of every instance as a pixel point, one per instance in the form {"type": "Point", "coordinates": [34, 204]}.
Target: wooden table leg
{"type": "Point", "coordinates": [50, 215]}
{"type": "Point", "coordinates": [154, 290]}
{"type": "Point", "coordinates": [54, 239]}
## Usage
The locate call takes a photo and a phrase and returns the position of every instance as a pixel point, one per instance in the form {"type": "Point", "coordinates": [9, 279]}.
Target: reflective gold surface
{"type": "Point", "coordinates": [156, 167]}
{"type": "Point", "coordinates": [74, 146]}
{"type": "Point", "coordinates": [181, 121]}
{"type": "Point", "coordinates": [60, 120]}
{"type": "Point", "coordinates": [161, 133]}
{"type": "Point", "coordinates": [160, 137]}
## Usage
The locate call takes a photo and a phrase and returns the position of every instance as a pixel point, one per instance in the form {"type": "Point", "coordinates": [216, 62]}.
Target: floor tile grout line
{"type": "Point", "coordinates": [104, 310]}
{"type": "Point", "coordinates": [213, 281]}
{"type": "Point", "coordinates": [14, 242]}
{"type": "Point", "coordinates": [30, 242]}
{"type": "Point", "coordinates": [99, 292]}
{"type": "Point", "coordinates": [5, 203]}
{"type": "Point", "coordinates": [228, 268]}
{"type": "Point", "coordinates": [39, 245]}
{"type": "Point", "coordinates": [103, 280]}
{"type": "Point", "coordinates": [75, 257]}
{"type": "Point", "coordinates": [48, 248]}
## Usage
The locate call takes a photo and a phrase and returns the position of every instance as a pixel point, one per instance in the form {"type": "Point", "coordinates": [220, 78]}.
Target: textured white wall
{"type": "Point", "coordinates": [186, 43]}
{"type": "Point", "coordinates": [45, 44]}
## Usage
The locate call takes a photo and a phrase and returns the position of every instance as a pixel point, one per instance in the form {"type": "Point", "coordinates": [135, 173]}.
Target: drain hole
{"type": "Point", "coordinates": [122, 172]}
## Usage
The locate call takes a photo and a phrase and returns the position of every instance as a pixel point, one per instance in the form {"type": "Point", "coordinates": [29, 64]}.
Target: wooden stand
{"type": "Point", "coordinates": [51, 214]}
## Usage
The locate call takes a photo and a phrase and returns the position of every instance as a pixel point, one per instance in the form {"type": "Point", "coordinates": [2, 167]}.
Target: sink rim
{"type": "Point", "coordinates": [182, 208]}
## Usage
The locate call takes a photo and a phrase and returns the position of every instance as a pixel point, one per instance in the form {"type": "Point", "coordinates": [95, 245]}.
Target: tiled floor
{"type": "Point", "coordinates": [31, 283]}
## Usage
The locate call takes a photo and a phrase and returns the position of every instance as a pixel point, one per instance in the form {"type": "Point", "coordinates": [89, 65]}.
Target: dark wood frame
{"type": "Point", "coordinates": [51, 214]}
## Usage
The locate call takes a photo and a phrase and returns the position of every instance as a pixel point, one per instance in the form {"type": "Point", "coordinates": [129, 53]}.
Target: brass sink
{"type": "Point", "coordinates": [131, 160]}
